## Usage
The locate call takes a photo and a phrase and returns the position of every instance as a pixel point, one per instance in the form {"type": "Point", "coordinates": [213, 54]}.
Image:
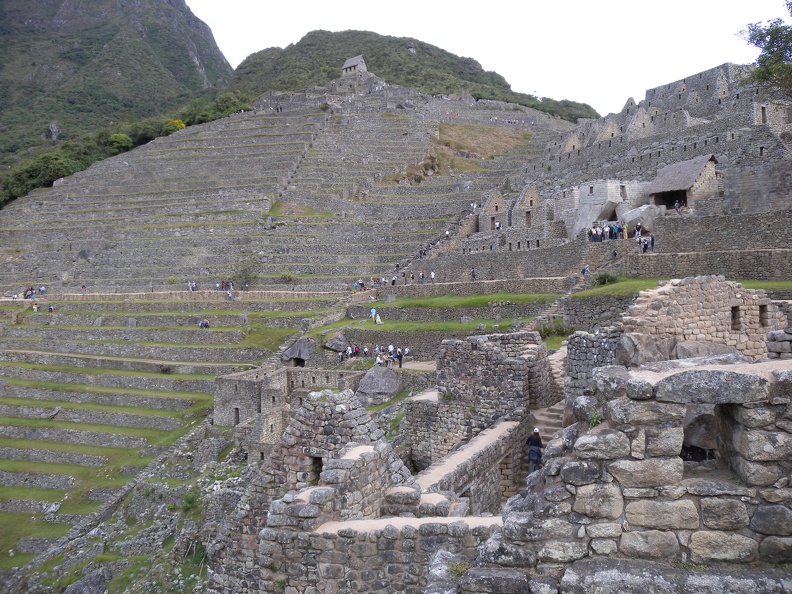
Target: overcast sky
{"type": "Point", "coordinates": [596, 52]}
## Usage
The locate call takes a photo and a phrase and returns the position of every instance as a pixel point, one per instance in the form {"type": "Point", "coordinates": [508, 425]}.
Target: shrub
{"type": "Point", "coordinates": [285, 276]}
{"type": "Point", "coordinates": [595, 418]}
{"type": "Point", "coordinates": [172, 126]}
{"type": "Point", "coordinates": [189, 499]}
{"type": "Point", "coordinates": [605, 278]}
{"type": "Point", "coordinates": [119, 142]}
{"type": "Point", "coordinates": [555, 328]}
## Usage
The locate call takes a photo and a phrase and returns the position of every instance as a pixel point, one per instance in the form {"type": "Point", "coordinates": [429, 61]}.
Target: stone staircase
{"type": "Point", "coordinates": [549, 420]}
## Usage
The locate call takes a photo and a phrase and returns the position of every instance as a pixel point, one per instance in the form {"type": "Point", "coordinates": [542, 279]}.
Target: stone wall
{"type": "Point", "coordinates": [586, 352]}
{"type": "Point", "coordinates": [779, 344]}
{"type": "Point", "coordinates": [496, 372]}
{"type": "Point", "coordinates": [704, 309]}
{"type": "Point", "coordinates": [621, 489]}
{"type": "Point", "coordinates": [592, 313]}
{"type": "Point", "coordinates": [363, 523]}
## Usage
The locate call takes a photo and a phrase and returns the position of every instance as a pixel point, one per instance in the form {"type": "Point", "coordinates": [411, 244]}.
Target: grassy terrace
{"type": "Point", "coordinates": [482, 300]}
{"type": "Point", "coordinates": [632, 286]}
{"type": "Point", "coordinates": [397, 326]}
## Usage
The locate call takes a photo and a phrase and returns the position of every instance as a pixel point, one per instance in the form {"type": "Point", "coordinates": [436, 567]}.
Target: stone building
{"type": "Point", "coordinates": [686, 182]}
{"type": "Point", "coordinates": [353, 66]}
{"type": "Point", "coordinates": [260, 402]}
{"type": "Point", "coordinates": [707, 140]}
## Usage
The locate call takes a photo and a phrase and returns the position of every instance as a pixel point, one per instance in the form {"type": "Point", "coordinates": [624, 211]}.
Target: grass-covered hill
{"type": "Point", "coordinates": [68, 68]}
{"type": "Point", "coordinates": [317, 59]}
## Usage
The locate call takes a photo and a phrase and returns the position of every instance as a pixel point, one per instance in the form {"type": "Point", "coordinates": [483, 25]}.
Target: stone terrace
{"type": "Point", "coordinates": [93, 392]}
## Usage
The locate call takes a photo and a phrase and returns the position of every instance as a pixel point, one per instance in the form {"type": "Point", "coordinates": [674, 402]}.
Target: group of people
{"type": "Point", "coordinates": [645, 244]}
{"type": "Point", "coordinates": [203, 323]}
{"type": "Point", "coordinates": [32, 292]}
{"type": "Point", "coordinates": [386, 356]}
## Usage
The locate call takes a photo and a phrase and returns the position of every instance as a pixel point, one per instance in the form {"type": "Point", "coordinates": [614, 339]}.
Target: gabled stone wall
{"type": "Point", "coordinates": [705, 309]}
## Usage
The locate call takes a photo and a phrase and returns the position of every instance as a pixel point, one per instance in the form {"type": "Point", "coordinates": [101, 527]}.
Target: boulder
{"type": "Point", "coordinates": [580, 472]}
{"type": "Point", "coordinates": [664, 441]}
{"type": "Point", "coordinates": [762, 446]}
{"type": "Point", "coordinates": [653, 472]}
{"type": "Point", "coordinates": [701, 427]}
{"type": "Point", "coordinates": [635, 349]}
{"type": "Point", "coordinates": [302, 349]}
{"type": "Point", "coordinates": [562, 551]}
{"type": "Point", "coordinates": [93, 583]}
{"type": "Point", "coordinates": [379, 385]}
{"type": "Point", "coordinates": [687, 349]}
{"type": "Point", "coordinates": [646, 215]}
{"type": "Point", "coordinates": [756, 473]}
{"type": "Point", "coordinates": [712, 386]}
{"type": "Point", "coordinates": [337, 342]}
{"type": "Point", "coordinates": [495, 579]}
{"type": "Point", "coordinates": [626, 412]}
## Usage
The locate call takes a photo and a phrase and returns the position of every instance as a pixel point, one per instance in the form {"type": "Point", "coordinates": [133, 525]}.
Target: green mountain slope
{"type": "Point", "coordinates": [317, 58]}
{"type": "Point", "coordinates": [70, 67]}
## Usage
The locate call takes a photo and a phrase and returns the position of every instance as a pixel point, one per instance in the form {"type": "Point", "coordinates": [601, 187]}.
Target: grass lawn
{"type": "Point", "coordinates": [394, 326]}
{"type": "Point", "coordinates": [471, 300]}
{"type": "Point", "coordinates": [16, 526]}
{"type": "Point", "coordinates": [622, 288]}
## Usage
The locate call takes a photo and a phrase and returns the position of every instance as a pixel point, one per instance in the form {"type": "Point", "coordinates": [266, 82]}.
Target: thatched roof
{"type": "Point", "coordinates": [679, 176]}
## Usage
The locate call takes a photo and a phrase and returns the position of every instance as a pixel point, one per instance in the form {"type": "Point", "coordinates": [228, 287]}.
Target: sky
{"type": "Point", "coordinates": [600, 52]}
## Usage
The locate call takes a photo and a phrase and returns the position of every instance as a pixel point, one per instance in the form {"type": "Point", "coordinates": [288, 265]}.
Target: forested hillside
{"type": "Point", "coordinates": [317, 58]}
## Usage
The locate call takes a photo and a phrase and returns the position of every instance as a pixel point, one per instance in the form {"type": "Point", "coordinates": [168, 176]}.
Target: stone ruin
{"type": "Point", "coordinates": [663, 465]}
{"type": "Point", "coordinates": [620, 489]}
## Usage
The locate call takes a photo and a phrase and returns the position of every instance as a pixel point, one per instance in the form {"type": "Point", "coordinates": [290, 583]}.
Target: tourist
{"type": "Point", "coordinates": [378, 320]}
{"type": "Point", "coordinates": [535, 451]}
{"type": "Point", "coordinates": [84, 289]}
{"type": "Point", "coordinates": [651, 241]}
{"type": "Point", "coordinates": [42, 291]}
{"type": "Point", "coordinates": [432, 276]}
{"type": "Point", "coordinates": [678, 207]}
{"type": "Point", "coordinates": [399, 357]}
{"type": "Point", "coordinates": [35, 308]}
{"type": "Point", "coordinates": [373, 314]}
{"type": "Point", "coordinates": [472, 274]}
{"type": "Point", "coordinates": [379, 361]}
{"type": "Point", "coordinates": [585, 270]}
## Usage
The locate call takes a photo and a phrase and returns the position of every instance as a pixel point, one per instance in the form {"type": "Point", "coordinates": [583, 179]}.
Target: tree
{"type": "Point", "coordinates": [120, 142]}
{"type": "Point", "coordinates": [774, 64]}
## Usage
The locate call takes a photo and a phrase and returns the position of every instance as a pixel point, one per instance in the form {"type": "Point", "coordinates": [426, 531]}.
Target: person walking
{"type": "Point", "coordinates": [535, 451]}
